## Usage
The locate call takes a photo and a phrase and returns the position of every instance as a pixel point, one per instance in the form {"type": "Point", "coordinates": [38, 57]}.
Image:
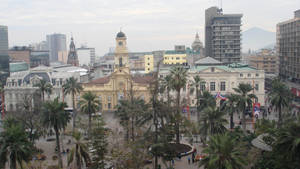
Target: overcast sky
{"type": "Point", "coordinates": [148, 24]}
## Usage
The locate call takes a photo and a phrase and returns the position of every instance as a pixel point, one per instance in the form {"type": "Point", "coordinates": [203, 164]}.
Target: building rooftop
{"type": "Point", "coordinates": [207, 61]}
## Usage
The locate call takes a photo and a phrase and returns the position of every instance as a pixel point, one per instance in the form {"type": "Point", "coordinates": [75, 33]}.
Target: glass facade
{"type": "Point", "coordinates": [4, 58]}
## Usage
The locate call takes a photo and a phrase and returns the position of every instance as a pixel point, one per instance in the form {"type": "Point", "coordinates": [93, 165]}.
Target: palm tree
{"type": "Point", "coordinates": [196, 83]}
{"type": "Point", "coordinates": [80, 152]}
{"type": "Point", "coordinates": [244, 100]}
{"type": "Point", "coordinates": [166, 83]}
{"type": "Point", "coordinates": [44, 87]}
{"type": "Point", "coordinates": [223, 152]}
{"type": "Point", "coordinates": [206, 99]}
{"type": "Point", "coordinates": [280, 97]}
{"type": "Point", "coordinates": [15, 146]}
{"type": "Point", "coordinates": [133, 113]}
{"type": "Point", "coordinates": [213, 120]}
{"type": "Point", "coordinates": [288, 142]}
{"type": "Point", "coordinates": [179, 80]}
{"type": "Point", "coordinates": [54, 116]}
{"type": "Point", "coordinates": [89, 104]}
{"type": "Point", "coordinates": [230, 106]}
{"type": "Point", "coordinates": [72, 87]}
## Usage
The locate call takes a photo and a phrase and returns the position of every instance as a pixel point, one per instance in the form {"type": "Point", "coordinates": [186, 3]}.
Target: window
{"type": "Point", "coordinates": [223, 86]}
{"type": "Point", "coordinates": [202, 86]}
{"type": "Point", "coordinates": [19, 82]}
{"type": "Point", "coordinates": [249, 75]}
{"type": "Point", "coordinates": [109, 98]}
{"type": "Point", "coordinates": [256, 74]}
{"type": "Point", "coordinates": [53, 82]}
{"type": "Point", "coordinates": [256, 87]}
{"type": "Point", "coordinates": [241, 75]}
{"type": "Point", "coordinates": [148, 63]}
{"type": "Point", "coordinates": [212, 86]}
{"type": "Point", "coordinates": [177, 58]}
{"type": "Point", "coordinates": [109, 105]}
{"type": "Point", "coordinates": [212, 69]}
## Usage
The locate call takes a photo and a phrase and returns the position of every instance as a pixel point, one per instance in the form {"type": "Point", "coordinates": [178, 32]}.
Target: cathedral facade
{"type": "Point", "coordinates": [121, 83]}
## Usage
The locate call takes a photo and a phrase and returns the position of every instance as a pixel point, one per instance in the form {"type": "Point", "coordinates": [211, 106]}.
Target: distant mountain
{"type": "Point", "coordinates": [256, 38]}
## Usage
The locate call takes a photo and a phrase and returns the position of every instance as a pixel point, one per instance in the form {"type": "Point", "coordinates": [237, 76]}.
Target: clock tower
{"type": "Point", "coordinates": [121, 53]}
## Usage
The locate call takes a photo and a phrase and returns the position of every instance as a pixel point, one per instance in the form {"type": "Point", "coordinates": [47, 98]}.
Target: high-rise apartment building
{"type": "Point", "coordinates": [222, 35]}
{"type": "Point", "coordinates": [4, 57]}
{"type": "Point", "coordinates": [288, 47]}
{"type": "Point", "coordinates": [266, 60]}
{"type": "Point", "coordinates": [56, 43]}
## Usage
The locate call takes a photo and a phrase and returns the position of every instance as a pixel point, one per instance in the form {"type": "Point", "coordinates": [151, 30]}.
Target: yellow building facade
{"type": "Point", "coordinates": [118, 85]}
{"type": "Point", "coordinates": [149, 63]}
{"type": "Point", "coordinates": [176, 58]}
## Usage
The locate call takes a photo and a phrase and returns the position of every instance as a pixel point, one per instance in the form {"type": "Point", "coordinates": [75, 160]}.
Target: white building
{"type": "Point", "coordinates": [220, 78]}
{"type": "Point", "coordinates": [21, 85]}
{"type": "Point", "coordinates": [86, 56]}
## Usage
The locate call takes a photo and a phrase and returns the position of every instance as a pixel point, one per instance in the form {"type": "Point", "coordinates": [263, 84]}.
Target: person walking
{"type": "Point", "coordinates": [189, 160]}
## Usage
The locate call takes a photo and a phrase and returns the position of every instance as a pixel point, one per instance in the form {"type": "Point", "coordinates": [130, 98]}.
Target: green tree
{"type": "Point", "coordinates": [196, 84]}
{"type": "Point", "coordinates": [72, 87]}
{"type": "Point", "coordinates": [213, 120]}
{"type": "Point", "coordinates": [80, 152]}
{"type": "Point", "coordinates": [44, 87]}
{"type": "Point", "coordinates": [14, 145]}
{"type": "Point", "coordinates": [244, 100]}
{"type": "Point", "coordinates": [54, 116]}
{"type": "Point", "coordinates": [280, 97]}
{"type": "Point", "coordinates": [89, 105]}
{"type": "Point", "coordinates": [230, 106]}
{"type": "Point", "coordinates": [223, 152]}
{"type": "Point", "coordinates": [131, 114]}
{"type": "Point", "coordinates": [288, 142]}
{"type": "Point", "coordinates": [206, 100]}
{"type": "Point", "coordinates": [179, 81]}
{"type": "Point", "coordinates": [99, 146]}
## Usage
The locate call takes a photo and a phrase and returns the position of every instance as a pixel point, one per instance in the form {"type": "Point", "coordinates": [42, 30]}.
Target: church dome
{"type": "Point", "coordinates": [120, 35]}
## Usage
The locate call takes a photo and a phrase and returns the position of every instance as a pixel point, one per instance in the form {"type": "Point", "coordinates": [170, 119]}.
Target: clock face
{"type": "Point", "coordinates": [120, 43]}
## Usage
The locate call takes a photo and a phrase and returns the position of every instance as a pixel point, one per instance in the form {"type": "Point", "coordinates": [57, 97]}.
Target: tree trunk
{"type": "Point", "coordinates": [43, 96]}
{"type": "Point", "coordinates": [279, 116]}
{"type": "Point", "coordinates": [60, 162]}
{"type": "Point", "coordinates": [177, 118]}
{"type": "Point", "coordinates": [244, 120]}
{"type": "Point", "coordinates": [90, 119]}
{"type": "Point", "coordinates": [231, 121]}
{"type": "Point", "coordinates": [13, 163]}
{"type": "Point", "coordinates": [74, 111]}
{"type": "Point", "coordinates": [132, 128]}
{"type": "Point", "coordinates": [78, 162]}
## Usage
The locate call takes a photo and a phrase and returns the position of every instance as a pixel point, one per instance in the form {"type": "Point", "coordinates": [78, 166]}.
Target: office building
{"type": "Point", "coordinates": [222, 35]}
{"type": "Point", "coordinates": [288, 48]}
{"type": "Point", "coordinates": [56, 43]}
{"type": "Point", "coordinates": [86, 56]}
{"type": "Point", "coordinates": [4, 57]}
{"type": "Point", "coordinates": [33, 58]}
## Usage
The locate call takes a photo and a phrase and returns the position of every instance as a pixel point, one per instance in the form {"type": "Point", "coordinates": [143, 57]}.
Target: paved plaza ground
{"type": "Point", "coordinates": [113, 124]}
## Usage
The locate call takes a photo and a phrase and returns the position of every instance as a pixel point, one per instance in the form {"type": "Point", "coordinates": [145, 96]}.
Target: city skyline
{"type": "Point", "coordinates": [149, 25]}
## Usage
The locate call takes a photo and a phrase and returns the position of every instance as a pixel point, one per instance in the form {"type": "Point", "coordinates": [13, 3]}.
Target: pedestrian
{"type": "Point", "coordinates": [172, 161]}
{"type": "Point", "coordinates": [189, 160]}
{"type": "Point", "coordinates": [193, 160]}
